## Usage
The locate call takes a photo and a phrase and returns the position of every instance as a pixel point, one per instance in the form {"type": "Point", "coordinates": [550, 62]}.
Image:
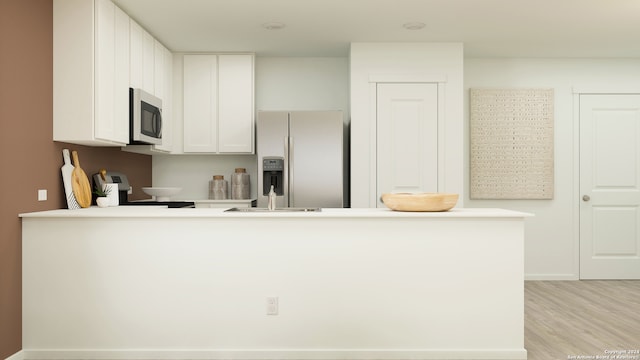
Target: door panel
{"type": "Point", "coordinates": [609, 186]}
{"type": "Point", "coordinates": [272, 133]}
{"type": "Point", "coordinates": [315, 163]}
{"type": "Point", "coordinates": [407, 138]}
{"type": "Point", "coordinates": [615, 140]}
{"type": "Point", "coordinates": [615, 231]}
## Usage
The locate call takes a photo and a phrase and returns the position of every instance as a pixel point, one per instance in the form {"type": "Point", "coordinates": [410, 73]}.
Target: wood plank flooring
{"type": "Point", "coordinates": [564, 318]}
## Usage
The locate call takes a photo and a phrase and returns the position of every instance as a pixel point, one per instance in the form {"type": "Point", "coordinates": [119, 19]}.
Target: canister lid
{"type": "Point", "coordinates": [241, 170]}
{"type": "Point", "coordinates": [218, 177]}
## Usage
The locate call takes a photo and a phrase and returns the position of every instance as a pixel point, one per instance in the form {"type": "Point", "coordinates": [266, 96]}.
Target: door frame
{"type": "Point", "coordinates": [374, 80]}
{"type": "Point", "coordinates": [577, 91]}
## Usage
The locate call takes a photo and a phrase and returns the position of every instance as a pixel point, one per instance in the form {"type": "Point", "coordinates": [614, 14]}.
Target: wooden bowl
{"type": "Point", "coordinates": [420, 201]}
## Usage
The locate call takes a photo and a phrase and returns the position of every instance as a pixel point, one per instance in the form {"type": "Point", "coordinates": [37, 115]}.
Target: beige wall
{"type": "Point", "coordinates": [29, 159]}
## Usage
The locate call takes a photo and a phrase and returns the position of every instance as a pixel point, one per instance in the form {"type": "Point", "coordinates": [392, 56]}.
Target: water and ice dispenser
{"type": "Point", "coordinates": [273, 174]}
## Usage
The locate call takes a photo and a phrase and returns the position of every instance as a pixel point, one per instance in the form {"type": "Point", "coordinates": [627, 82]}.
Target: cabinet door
{"type": "Point", "coordinates": [111, 73]}
{"type": "Point", "coordinates": [142, 58]}
{"type": "Point", "coordinates": [135, 56]}
{"type": "Point", "coordinates": [235, 118]}
{"type": "Point", "coordinates": [121, 91]}
{"type": "Point", "coordinates": [407, 141]}
{"type": "Point", "coordinates": [167, 102]}
{"type": "Point", "coordinates": [148, 62]}
{"type": "Point", "coordinates": [104, 111]}
{"type": "Point", "coordinates": [158, 69]}
{"type": "Point", "coordinates": [200, 103]}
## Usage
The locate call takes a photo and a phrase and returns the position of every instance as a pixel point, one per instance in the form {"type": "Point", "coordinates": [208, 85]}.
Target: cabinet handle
{"type": "Point", "coordinates": [586, 197]}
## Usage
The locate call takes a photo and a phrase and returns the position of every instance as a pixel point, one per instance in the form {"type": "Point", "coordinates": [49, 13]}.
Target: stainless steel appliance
{"type": "Point", "coordinates": [114, 177]}
{"type": "Point", "coordinates": [300, 154]}
{"type": "Point", "coordinates": [145, 113]}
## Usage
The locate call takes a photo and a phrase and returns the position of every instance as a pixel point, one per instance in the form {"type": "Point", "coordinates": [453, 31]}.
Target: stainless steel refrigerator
{"type": "Point", "coordinates": [301, 154]}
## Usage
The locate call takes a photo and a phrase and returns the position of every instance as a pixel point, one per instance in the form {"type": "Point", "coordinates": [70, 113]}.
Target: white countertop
{"type": "Point", "coordinates": [164, 212]}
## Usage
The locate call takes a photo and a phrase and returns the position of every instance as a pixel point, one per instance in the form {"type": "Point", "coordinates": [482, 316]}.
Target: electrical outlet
{"type": "Point", "coordinates": [42, 195]}
{"type": "Point", "coordinates": [272, 305]}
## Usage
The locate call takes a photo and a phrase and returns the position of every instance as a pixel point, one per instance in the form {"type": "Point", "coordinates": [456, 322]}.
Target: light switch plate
{"type": "Point", "coordinates": [42, 195]}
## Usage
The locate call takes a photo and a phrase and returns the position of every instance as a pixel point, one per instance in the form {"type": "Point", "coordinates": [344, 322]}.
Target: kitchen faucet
{"type": "Point", "coordinates": [271, 205]}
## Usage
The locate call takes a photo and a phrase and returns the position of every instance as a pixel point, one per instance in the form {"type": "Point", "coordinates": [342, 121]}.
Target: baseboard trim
{"type": "Point", "coordinates": [17, 356]}
{"type": "Point", "coordinates": [558, 277]}
{"type": "Point", "coordinates": [365, 354]}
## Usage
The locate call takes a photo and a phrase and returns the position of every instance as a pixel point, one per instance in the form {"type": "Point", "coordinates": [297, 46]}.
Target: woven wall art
{"type": "Point", "coordinates": [511, 143]}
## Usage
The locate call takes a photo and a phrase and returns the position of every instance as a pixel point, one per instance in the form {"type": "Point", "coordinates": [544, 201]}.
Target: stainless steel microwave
{"type": "Point", "coordinates": [145, 113]}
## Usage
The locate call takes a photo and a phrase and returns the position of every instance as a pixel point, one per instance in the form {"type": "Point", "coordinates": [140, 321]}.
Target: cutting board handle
{"type": "Point", "coordinates": [76, 162]}
{"type": "Point", "coordinates": [66, 157]}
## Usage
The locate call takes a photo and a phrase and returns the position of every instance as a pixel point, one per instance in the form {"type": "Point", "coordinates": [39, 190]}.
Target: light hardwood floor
{"type": "Point", "coordinates": [586, 318]}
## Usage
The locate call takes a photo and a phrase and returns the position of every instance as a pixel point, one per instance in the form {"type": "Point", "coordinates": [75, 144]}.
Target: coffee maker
{"type": "Point", "coordinates": [124, 189]}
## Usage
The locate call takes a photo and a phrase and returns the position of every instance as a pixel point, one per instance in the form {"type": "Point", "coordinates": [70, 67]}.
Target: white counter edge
{"type": "Point", "coordinates": [284, 354]}
{"type": "Point", "coordinates": [163, 212]}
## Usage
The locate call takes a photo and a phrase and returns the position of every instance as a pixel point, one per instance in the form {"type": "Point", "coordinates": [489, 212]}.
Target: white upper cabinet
{"type": "Point", "coordinates": [90, 73]}
{"type": "Point", "coordinates": [165, 92]}
{"type": "Point", "coordinates": [200, 103]}
{"type": "Point", "coordinates": [151, 69]}
{"type": "Point", "coordinates": [235, 105]}
{"type": "Point", "coordinates": [158, 70]}
{"type": "Point", "coordinates": [135, 59]}
{"type": "Point", "coordinates": [143, 59]}
{"type": "Point", "coordinates": [148, 63]}
{"type": "Point", "coordinates": [218, 103]}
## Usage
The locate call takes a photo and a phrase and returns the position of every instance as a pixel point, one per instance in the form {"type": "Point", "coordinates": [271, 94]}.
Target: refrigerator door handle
{"type": "Point", "coordinates": [287, 169]}
{"type": "Point", "coordinates": [290, 151]}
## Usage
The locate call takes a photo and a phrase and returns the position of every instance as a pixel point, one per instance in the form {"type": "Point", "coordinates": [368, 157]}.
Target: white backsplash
{"type": "Point", "coordinates": [193, 172]}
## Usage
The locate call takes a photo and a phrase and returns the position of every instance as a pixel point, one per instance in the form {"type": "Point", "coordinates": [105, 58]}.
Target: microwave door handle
{"type": "Point", "coordinates": [157, 123]}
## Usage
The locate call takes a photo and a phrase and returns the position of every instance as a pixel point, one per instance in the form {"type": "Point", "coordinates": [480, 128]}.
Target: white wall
{"type": "Point", "coordinates": [552, 239]}
{"type": "Point", "coordinates": [281, 83]}
{"type": "Point", "coordinates": [411, 60]}
{"type": "Point", "coordinates": [298, 83]}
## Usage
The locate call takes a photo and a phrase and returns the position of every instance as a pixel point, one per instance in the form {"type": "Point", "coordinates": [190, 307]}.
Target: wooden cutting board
{"type": "Point", "coordinates": [80, 183]}
{"type": "Point", "coordinates": [67, 170]}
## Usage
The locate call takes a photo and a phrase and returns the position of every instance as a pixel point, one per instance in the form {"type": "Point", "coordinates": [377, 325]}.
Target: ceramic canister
{"type": "Point", "coordinates": [240, 184]}
{"type": "Point", "coordinates": [218, 188]}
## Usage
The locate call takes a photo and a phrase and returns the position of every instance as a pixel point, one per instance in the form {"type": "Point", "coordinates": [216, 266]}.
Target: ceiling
{"type": "Point", "coordinates": [488, 28]}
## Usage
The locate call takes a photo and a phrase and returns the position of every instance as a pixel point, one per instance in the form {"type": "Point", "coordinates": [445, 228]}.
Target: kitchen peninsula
{"type": "Point", "coordinates": [147, 282]}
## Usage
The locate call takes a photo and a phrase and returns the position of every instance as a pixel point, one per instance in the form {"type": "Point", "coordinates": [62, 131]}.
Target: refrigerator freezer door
{"type": "Point", "coordinates": [315, 160]}
{"type": "Point", "coordinates": [272, 141]}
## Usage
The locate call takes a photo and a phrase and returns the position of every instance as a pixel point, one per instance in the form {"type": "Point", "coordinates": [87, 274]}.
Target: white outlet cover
{"type": "Point", "coordinates": [42, 195]}
{"type": "Point", "coordinates": [272, 305]}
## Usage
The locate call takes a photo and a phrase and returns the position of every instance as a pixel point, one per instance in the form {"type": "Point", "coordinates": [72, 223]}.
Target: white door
{"type": "Point", "coordinates": [407, 138]}
{"type": "Point", "coordinates": [610, 186]}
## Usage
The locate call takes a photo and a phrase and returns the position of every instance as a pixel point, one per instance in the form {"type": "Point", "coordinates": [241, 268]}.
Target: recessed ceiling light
{"type": "Point", "coordinates": [413, 25]}
{"type": "Point", "coordinates": [273, 25]}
